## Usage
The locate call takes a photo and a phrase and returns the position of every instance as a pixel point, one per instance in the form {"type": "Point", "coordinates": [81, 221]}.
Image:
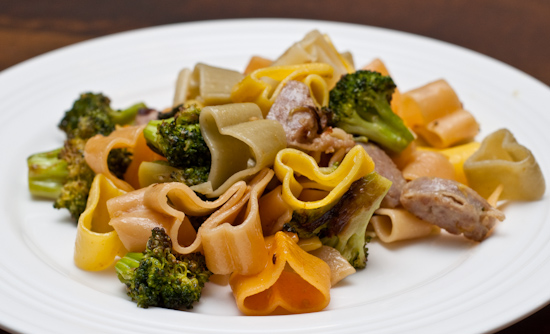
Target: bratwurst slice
{"type": "Point", "coordinates": [451, 206]}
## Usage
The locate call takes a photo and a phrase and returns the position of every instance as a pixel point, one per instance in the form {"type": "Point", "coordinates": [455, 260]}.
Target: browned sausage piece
{"type": "Point", "coordinates": [451, 206]}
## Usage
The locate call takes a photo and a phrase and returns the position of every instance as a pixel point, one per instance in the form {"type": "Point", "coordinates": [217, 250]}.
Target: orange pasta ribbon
{"type": "Point", "coordinates": [97, 244]}
{"type": "Point", "coordinates": [355, 165]}
{"type": "Point", "coordinates": [98, 147]}
{"type": "Point", "coordinates": [293, 280]}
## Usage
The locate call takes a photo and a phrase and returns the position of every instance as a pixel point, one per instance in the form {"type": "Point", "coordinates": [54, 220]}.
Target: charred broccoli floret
{"type": "Point", "coordinates": [360, 105]}
{"type": "Point", "coordinates": [159, 277]}
{"type": "Point", "coordinates": [179, 139]}
{"type": "Point", "coordinates": [343, 225]}
{"type": "Point", "coordinates": [63, 174]}
{"type": "Point", "coordinates": [92, 114]}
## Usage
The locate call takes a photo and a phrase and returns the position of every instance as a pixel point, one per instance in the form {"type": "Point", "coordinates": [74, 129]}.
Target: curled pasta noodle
{"type": "Point", "coordinates": [428, 163]}
{"type": "Point", "coordinates": [292, 279]}
{"type": "Point", "coordinates": [274, 212]}
{"type": "Point", "coordinates": [241, 143]}
{"type": "Point", "coordinates": [317, 48]}
{"type": "Point", "coordinates": [209, 85]}
{"type": "Point", "coordinates": [355, 165]}
{"type": "Point", "coordinates": [97, 150]}
{"type": "Point", "coordinates": [135, 214]}
{"type": "Point", "coordinates": [255, 88]}
{"type": "Point", "coordinates": [97, 243]}
{"type": "Point", "coordinates": [427, 103]}
{"type": "Point", "coordinates": [398, 224]}
{"type": "Point", "coordinates": [502, 160]}
{"type": "Point", "coordinates": [456, 127]}
{"type": "Point", "coordinates": [339, 266]}
{"type": "Point", "coordinates": [223, 233]}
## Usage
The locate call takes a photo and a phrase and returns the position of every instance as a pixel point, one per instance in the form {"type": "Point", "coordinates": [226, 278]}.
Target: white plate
{"type": "Point", "coordinates": [441, 284]}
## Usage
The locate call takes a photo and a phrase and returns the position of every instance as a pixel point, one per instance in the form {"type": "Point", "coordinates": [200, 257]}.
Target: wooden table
{"type": "Point", "coordinates": [516, 32]}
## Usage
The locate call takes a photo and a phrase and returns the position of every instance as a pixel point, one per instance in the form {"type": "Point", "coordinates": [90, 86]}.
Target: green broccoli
{"type": "Point", "coordinates": [159, 277]}
{"type": "Point", "coordinates": [92, 114]}
{"type": "Point", "coordinates": [47, 173]}
{"type": "Point", "coordinates": [360, 105]}
{"type": "Point", "coordinates": [63, 174]}
{"type": "Point", "coordinates": [343, 225]}
{"type": "Point", "coordinates": [179, 139]}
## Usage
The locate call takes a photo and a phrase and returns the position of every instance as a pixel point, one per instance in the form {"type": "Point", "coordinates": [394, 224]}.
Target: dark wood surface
{"type": "Point", "coordinates": [516, 32]}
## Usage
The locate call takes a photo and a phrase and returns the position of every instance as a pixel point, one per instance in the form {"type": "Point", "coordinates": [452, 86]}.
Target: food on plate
{"type": "Point", "coordinates": [276, 178]}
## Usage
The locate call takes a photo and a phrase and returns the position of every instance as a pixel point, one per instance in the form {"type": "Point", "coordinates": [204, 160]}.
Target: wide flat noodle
{"type": "Point", "coordinates": [459, 126]}
{"type": "Point", "coordinates": [241, 143]}
{"type": "Point", "coordinates": [340, 268]}
{"type": "Point", "coordinates": [97, 243]}
{"type": "Point", "coordinates": [208, 85]}
{"type": "Point", "coordinates": [398, 224]}
{"type": "Point", "coordinates": [232, 238]}
{"type": "Point", "coordinates": [355, 165]}
{"type": "Point", "coordinates": [317, 48]}
{"type": "Point", "coordinates": [98, 147]}
{"type": "Point", "coordinates": [292, 279]}
{"type": "Point", "coordinates": [502, 160]}
{"type": "Point", "coordinates": [135, 214]}
{"type": "Point", "coordinates": [264, 85]}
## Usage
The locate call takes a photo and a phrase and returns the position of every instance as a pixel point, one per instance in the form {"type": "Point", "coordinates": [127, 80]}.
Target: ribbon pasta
{"type": "Point", "coordinates": [97, 244]}
{"type": "Point", "coordinates": [241, 143]}
{"type": "Point", "coordinates": [292, 279]}
{"type": "Point", "coordinates": [263, 92]}
{"type": "Point", "coordinates": [355, 165]}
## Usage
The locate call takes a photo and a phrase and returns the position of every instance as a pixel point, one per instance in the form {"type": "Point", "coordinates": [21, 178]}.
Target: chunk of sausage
{"type": "Point", "coordinates": [451, 206]}
{"type": "Point", "coordinates": [384, 166]}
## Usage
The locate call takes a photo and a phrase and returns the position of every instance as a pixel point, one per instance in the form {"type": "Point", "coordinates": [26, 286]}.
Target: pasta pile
{"type": "Point", "coordinates": [259, 177]}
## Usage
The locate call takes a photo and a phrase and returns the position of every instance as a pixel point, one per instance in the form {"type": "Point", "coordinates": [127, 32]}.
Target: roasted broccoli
{"type": "Point", "coordinates": [179, 139]}
{"type": "Point", "coordinates": [360, 105]}
{"type": "Point", "coordinates": [159, 277]}
{"type": "Point", "coordinates": [92, 114]}
{"type": "Point", "coordinates": [343, 225]}
{"type": "Point", "coordinates": [63, 174]}
{"type": "Point", "coordinates": [47, 173]}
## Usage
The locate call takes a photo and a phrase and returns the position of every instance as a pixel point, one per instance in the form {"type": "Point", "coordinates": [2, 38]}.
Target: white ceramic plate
{"type": "Point", "coordinates": [440, 284]}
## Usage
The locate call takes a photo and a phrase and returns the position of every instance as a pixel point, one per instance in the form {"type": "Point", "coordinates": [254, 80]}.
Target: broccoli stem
{"type": "Point", "coordinates": [126, 116]}
{"type": "Point", "coordinates": [47, 173]}
{"type": "Point", "coordinates": [150, 132]}
{"type": "Point", "coordinates": [126, 265]}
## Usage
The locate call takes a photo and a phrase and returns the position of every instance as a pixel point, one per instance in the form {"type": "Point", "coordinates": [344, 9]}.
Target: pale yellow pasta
{"type": "Point", "coordinates": [501, 160]}
{"type": "Point", "coordinates": [429, 102]}
{"type": "Point", "coordinates": [317, 48]}
{"type": "Point", "coordinates": [456, 127]}
{"type": "Point", "coordinates": [398, 224]}
{"type": "Point", "coordinates": [340, 268]}
{"type": "Point", "coordinates": [428, 163]}
{"type": "Point", "coordinates": [264, 85]}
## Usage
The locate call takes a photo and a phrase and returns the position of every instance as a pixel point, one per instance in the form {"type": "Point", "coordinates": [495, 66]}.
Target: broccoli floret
{"type": "Point", "coordinates": [179, 139]}
{"type": "Point", "coordinates": [159, 277]}
{"type": "Point", "coordinates": [118, 161]}
{"type": "Point", "coordinates": [47, 173]}
{"type": "Point", "coordinates": [92, 114]}
{"type": "Point", "coordinates": [74, 193]}
{"type": "Point", "coordinates": [63, 174]}
{"type": "Point", "coordinates": [360, 105]}
{"type": "Point", "coordinates": [343, 226]}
